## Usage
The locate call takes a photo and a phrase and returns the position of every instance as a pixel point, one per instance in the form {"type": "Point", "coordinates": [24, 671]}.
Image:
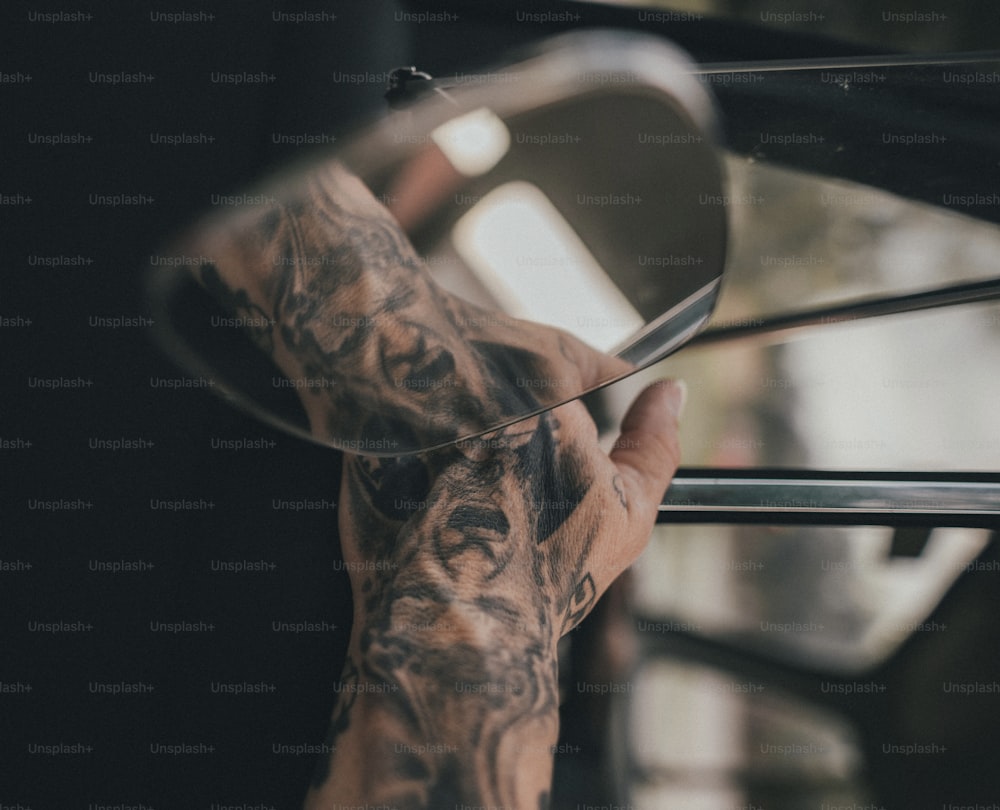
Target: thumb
{"type": "Point", "coordinates": [648, 451]}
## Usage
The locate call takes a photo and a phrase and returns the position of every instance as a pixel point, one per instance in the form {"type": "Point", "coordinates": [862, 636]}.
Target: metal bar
{"type": "Point", "coordinates": [852, 498]}
{"type": "Point", "coordinates": [952, 295]}
{"type": "Point", "coordinates": [848, 62]}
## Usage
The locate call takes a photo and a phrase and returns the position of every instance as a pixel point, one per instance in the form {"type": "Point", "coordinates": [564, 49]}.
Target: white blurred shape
{"type": "Point", "coordinates": [535, 266]}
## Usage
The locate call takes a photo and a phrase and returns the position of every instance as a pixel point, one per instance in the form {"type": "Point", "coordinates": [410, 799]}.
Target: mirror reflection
{"type": "Point", "coordinates": [477, 258]}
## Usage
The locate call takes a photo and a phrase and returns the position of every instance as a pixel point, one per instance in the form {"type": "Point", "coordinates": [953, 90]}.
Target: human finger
{"type": "Point", "coordinates": [647, 452]}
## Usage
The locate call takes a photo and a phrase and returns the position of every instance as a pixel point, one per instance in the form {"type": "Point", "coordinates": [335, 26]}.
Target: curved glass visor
{"type": "Point", "coordinates": [453, 269]}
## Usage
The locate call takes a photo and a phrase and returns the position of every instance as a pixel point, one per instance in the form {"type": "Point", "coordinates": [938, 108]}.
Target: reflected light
{"type": "Point", "coordinates": [532, 262]}
{"type": "Point", "coordinates": [474, 142]}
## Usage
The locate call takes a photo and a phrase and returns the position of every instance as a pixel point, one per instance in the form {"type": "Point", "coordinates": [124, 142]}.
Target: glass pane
{"type": "Point", "coordinates": [906, 392]}
{"type": "Point", "coordinates": [803, 241]}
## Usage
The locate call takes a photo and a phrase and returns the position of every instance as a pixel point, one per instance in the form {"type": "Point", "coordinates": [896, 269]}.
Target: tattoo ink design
{"type": "Point", "coordinates": [474, 556]}
{"type": "Point", "coordinates": [583, 600]}
{"type": "Point", "coordinates": [443, 636]}
{"type": "Point", "coordinates": [258, 322]}
{"type": "Point", "coordinates": [350, 311]}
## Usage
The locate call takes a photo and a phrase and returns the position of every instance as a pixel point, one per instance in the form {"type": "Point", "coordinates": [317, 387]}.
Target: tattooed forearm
{"type": "Point", "coordinates": [467, 563]}
{"type": "Point", "coordinates": [444, 720]}
{"type": "Point", "coordinates": [455, 640]}
{"type": "Point", "coordinates": [351, 312]}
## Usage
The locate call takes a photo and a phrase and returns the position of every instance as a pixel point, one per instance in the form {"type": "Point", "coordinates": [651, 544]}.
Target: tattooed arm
{"type": "Point", "coordinates": [375, 346]}
{"type": "Point", "coordinates": [467, 566]}
{"type": "Point", "coordinates": [467, 563]}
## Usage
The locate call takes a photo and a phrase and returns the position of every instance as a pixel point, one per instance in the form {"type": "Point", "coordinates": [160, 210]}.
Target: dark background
{"type": "Point", "coordinates": [50, 677]}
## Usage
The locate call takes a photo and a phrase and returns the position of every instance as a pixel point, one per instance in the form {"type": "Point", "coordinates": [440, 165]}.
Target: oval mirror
{"type": "Point", "coordinates": [578, 187]}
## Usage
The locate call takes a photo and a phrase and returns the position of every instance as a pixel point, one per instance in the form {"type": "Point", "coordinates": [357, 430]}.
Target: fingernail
{"type": "Point", "coordinates": [680, 400]}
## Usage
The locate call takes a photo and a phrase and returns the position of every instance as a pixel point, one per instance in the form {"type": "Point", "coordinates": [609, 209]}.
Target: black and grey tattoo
{"type": "Point", "coordinates": [483, 561]}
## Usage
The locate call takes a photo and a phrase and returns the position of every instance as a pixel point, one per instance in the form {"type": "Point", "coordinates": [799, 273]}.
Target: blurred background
{"type": "Point", "coordinates": [826, 608]}
{"type": "Point", "coordinates": [818, 667]}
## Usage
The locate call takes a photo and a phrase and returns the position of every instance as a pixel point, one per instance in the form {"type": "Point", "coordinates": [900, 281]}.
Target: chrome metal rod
{"type": "Point", "coordinates": [848, 62]}
{"type": "Point", "coordinates": [789, 499]}
{"type": "Point", "coordinates": [974, 292]}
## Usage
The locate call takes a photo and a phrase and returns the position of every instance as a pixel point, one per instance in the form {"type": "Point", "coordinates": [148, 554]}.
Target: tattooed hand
{"type": "Point", "coordinates": [467, 563]}
{"type": "Point", "coordinates": [375, 347]}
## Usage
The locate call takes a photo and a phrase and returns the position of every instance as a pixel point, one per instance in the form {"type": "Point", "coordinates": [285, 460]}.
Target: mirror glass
{"type": "Point", "coordinates": [578, 188]}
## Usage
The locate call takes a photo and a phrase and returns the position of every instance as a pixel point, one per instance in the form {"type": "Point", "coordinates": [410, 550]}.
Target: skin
{"type": "Point", "coordinates": [467, 563]}
{"type": "Point", "coordinates": [345, 298]}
